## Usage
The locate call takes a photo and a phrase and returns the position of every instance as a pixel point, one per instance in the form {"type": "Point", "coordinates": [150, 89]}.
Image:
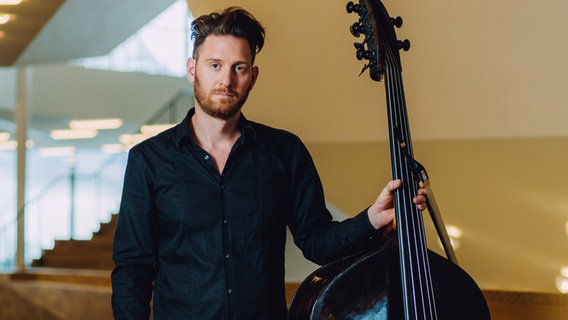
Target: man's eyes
{"type": "Point", "coordinates": [238, 68]}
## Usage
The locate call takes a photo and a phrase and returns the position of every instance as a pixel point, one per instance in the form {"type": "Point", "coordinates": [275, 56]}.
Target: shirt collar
{"type": "Point", "coordinates": [182, 136]}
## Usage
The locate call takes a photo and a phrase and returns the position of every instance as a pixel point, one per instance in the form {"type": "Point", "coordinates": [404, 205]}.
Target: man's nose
{"type": "Point", "coordinates": [226, 77]}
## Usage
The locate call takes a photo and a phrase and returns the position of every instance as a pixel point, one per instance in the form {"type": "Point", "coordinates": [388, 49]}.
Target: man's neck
{"type": "Point", "coordinates": [216, 136]}
{"type": "Point", "coordinates": [210, 131]}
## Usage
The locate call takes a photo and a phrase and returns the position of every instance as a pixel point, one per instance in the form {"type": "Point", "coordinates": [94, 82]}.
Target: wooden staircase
{"type": "Point", "coordinates": [70, 281]}
{"type": "Point", "coordinates": [95, 254]}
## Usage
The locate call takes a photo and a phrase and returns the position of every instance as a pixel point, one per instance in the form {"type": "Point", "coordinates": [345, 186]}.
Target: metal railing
{"type": "Point", "coordinates": [70, 204]}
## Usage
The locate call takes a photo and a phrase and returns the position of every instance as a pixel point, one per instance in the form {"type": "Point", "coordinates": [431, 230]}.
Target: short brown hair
{"type": "Point", "coordinates": [233, 21]}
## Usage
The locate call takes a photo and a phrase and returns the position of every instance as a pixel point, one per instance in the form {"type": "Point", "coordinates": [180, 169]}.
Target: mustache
{"type": "Point", "coordinates": [226, 91]}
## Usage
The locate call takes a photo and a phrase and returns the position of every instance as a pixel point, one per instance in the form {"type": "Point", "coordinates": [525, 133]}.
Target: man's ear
{"type": "Point", "coordinates": [254, 77]}
{"type": "Point", "coordinates": [190, 66]}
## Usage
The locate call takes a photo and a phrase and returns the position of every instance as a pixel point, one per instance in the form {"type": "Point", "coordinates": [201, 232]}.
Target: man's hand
{"type": "Point", "coordinates": [381, 213]}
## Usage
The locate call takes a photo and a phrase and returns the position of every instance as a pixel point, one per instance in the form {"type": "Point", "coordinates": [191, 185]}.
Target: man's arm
{"type": "Point", "coordinates": [133, 246]}
{"type": "Point", "coordinates": [323, 240]}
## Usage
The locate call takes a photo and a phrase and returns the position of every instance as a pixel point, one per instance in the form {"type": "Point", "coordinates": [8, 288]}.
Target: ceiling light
{"type": "Point", "coordinates": [130, 139]}
{"type": "Point", "coordinates": [6, 17]}
{"type": "Point", "coordinates": [96, 124]}
{"type": "Point", "coordinates": [73, 134]}
{"type": "Point", "coordinates": [12, 145]}
{"type": "Point", "coordinates": [10, 2]}
{"type": "Point", "coordinates": [57, 152]}
{"type": "Point", "coordinates": [8, 145]}
{"type": "Point", "coordinates": [154, 129]}
{"type": "Point", "coordinates": [4, 136]}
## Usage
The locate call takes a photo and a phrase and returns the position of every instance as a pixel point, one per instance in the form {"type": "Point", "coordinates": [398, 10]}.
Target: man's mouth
{"type": "Point", "coordinates": [224, 94]}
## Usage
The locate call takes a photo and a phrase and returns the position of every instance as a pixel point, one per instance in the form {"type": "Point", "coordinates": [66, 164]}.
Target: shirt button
{"type": "Point", "coordinates": [230, 291]}
{"type": "Point", "coordinates": [206, 157]}
{"type": "Point", "coordinates": [225, 221]}
{"type": "Point", "coordinates": [227, 256]}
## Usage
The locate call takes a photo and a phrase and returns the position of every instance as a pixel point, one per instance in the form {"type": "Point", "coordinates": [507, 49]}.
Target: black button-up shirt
{"type": "Point", "coordinates": [210, 245]}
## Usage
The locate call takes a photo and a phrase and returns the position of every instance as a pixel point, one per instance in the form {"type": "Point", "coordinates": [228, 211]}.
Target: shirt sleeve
{"type": "Point", "coordinates": [133, 246]}
{"type": "Point", "coordinates": [321, 239]}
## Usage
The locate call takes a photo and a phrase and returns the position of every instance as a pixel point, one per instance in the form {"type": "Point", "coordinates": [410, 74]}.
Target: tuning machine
{"type": "Point", "coordinates": [357, 8]}
{"type": "Point", "coordinates": [402, 44]}
{"type": "Point", "coordinates": [361, 53]}
{"type": "Point", "coordinates": [357, 28]}
{"type": "Point", "coordinates": [397, 22]}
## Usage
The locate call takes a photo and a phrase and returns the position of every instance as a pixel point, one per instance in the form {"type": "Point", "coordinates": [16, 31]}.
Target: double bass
{"type": "Point", "coordinates": [400, 278]}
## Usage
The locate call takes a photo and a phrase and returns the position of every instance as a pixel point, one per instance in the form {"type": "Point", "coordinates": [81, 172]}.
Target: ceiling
{"type": "Point", "coordinates": [28, 20]}
{"type": "Point", "coordinates": [48, 33]}
{"type": "Point", "coordinates": [485, 83]}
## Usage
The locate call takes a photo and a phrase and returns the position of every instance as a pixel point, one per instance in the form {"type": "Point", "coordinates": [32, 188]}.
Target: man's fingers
{"type": "Point", "coordinates": [393, 185]}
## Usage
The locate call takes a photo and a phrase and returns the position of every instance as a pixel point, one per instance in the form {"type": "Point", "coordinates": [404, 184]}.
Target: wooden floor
{"type": "Point", "coordinates": [51, 294]}
{"type": "Point", "coordinates": [61, 275]}
{"type": "Point", "coordinates": [90, 289]}
{"type": "Point", "coordinates": [507, 305]}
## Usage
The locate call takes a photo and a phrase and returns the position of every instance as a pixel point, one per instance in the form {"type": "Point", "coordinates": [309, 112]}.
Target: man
{"type": "Point", "coordinates": [205, 205]}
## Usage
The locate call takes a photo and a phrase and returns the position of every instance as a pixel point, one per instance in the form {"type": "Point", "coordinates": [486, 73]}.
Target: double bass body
{"type": "Point", "coordinates": [367, 286]}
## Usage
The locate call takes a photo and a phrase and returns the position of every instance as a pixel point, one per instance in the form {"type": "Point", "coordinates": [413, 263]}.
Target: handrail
{"type": "Point", "coordinates": [170, 108]}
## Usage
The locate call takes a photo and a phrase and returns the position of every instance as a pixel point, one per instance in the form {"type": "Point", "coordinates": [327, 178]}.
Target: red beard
{"type": "Point", "coordinates": [223, 108]}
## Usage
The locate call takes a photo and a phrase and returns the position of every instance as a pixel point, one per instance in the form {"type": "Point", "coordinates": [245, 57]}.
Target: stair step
{"type": "Point", "coordinates": [87, 260]}
{"type": "Point", "coordinates": [83, 244]}
{"type": "Point", "coordinates": [82, 254]}
{"type": "Point", "coordinates": [108, 227]}
{"type": "Point", "coordinates": [64, 275]}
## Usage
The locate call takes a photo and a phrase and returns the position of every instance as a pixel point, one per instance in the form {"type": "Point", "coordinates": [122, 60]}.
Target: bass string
{"type": "Point", "coordinates": [417, 214]}
{"type": "Point", "coordinates": [422, 265]}
{"type": "Point", "coordinates": [415, 269]}
{"type": "Point", "coordinates": [411, 304]}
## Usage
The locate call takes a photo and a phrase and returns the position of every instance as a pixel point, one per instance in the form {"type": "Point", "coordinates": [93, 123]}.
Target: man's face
{"type": "Point", "coordinates": [222, 75]}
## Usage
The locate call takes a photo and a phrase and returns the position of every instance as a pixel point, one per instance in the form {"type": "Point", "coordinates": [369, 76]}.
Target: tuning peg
{"type": "Point", "coordinates": [397, 22]}
{"type": "Point", "coordinates": [356, 29]}
{"type": "Point", "coordinates": [351, 7]}
{"type": "Point", "coordinates": [361, 54]}
{"type": "Point", "coordinates": [404, 45]}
